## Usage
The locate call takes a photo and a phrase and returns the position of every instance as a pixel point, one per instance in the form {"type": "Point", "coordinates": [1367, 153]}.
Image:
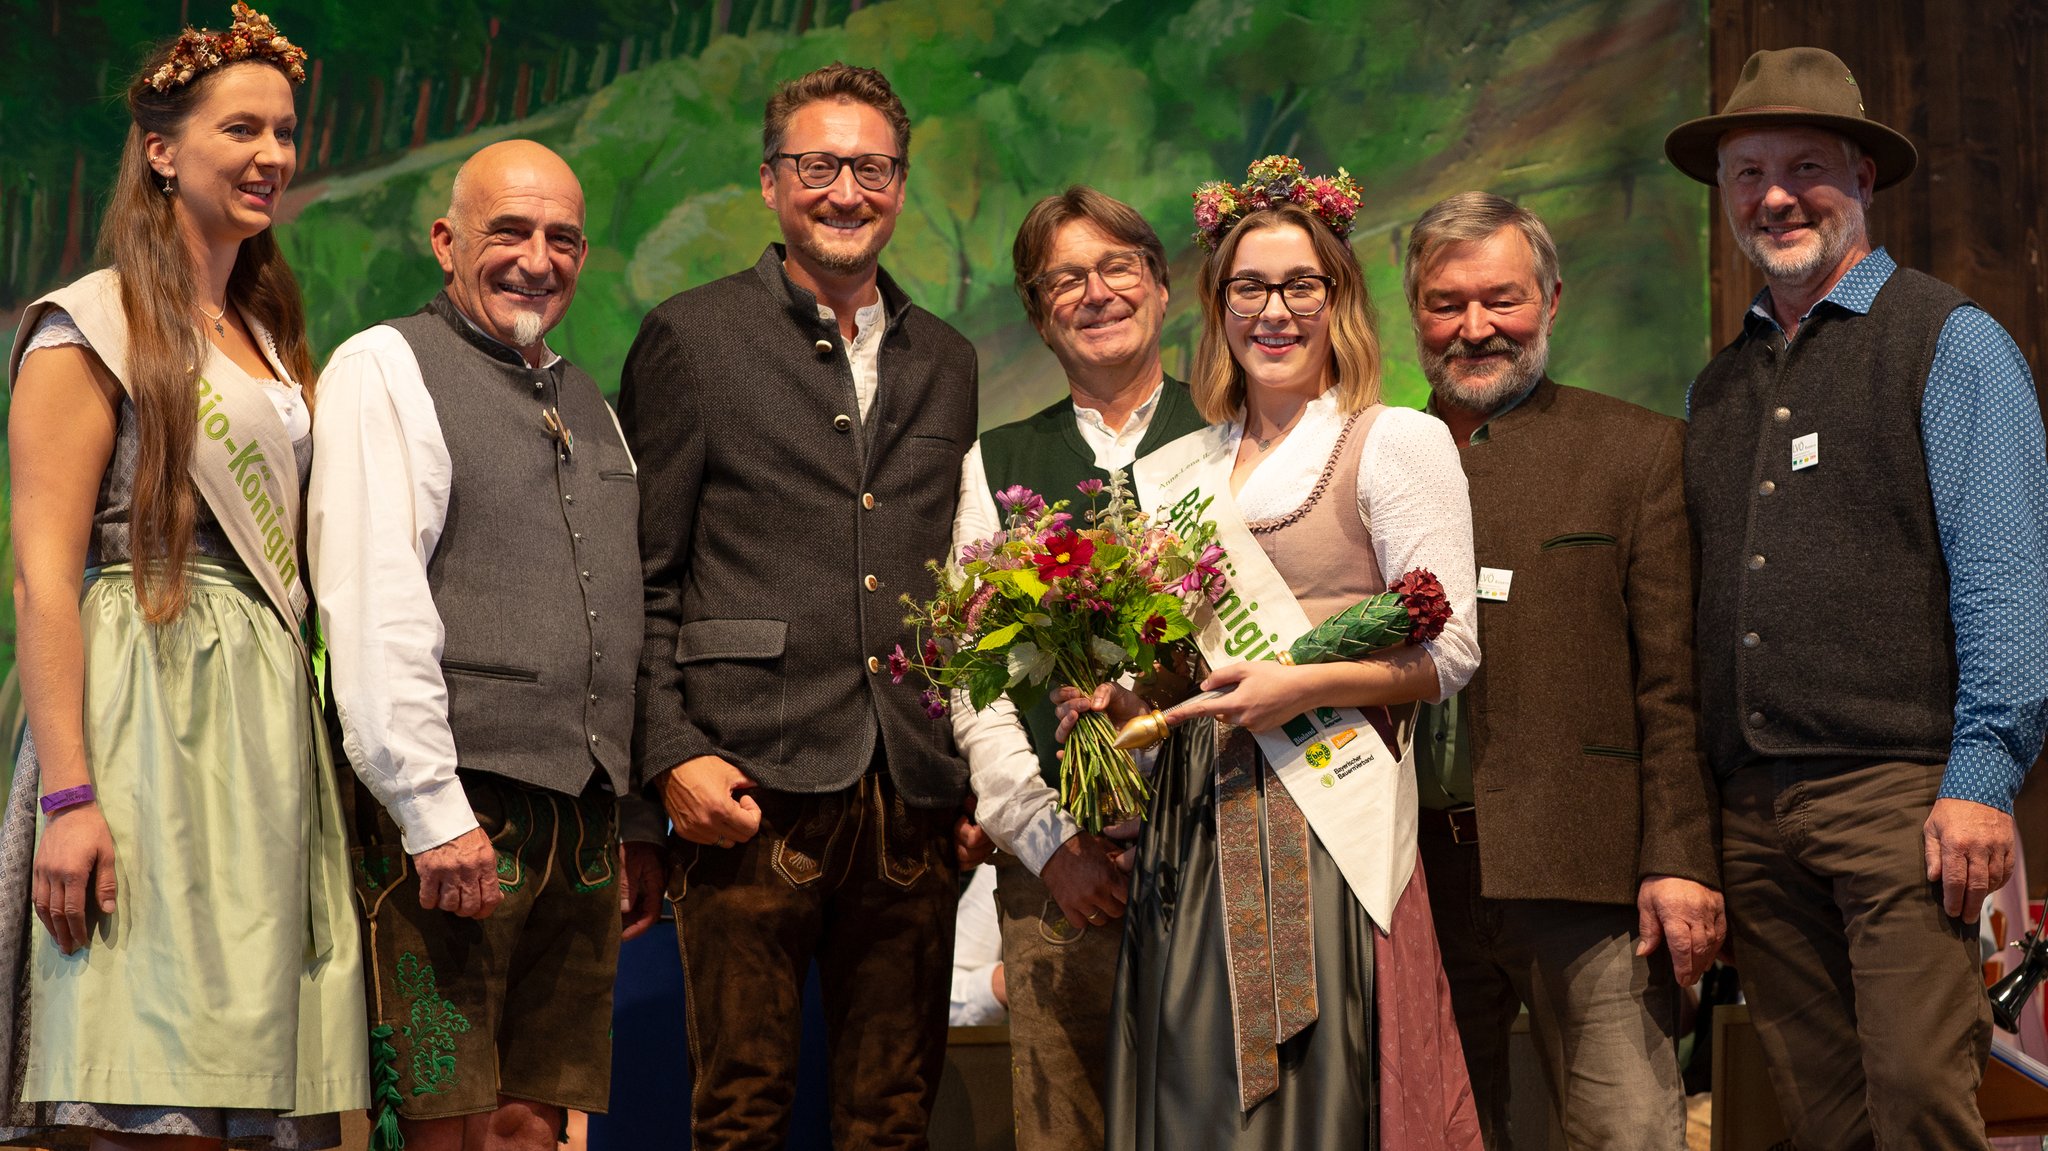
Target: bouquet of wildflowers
{"type": "Point", "coordinates": [1048, 599]}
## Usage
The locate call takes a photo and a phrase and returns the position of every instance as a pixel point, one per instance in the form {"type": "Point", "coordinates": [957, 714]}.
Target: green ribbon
{"type": "Point", "coordinates": [384, 1132]}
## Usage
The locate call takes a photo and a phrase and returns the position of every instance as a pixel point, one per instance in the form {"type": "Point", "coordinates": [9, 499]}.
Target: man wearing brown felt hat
{"type": "Point", "coordinates": [1869, 489]}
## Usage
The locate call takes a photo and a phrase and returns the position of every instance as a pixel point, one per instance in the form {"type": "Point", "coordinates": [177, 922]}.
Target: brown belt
{"type": "Point", "coordinates": [1458, 824]}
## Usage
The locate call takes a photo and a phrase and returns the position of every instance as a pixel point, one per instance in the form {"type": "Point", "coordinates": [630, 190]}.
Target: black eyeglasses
{"type": "Point", "coordinates": [1246, 296]}
{"type": "Point", "coordinates": [874, 171]}
{"type": "Point", "coordinates": [1120, 272]}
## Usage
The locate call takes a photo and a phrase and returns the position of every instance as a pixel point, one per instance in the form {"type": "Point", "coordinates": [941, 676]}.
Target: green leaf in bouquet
{"type": "Point", "coordinates": [1106, 653]}
{"type": "Point", "coordinates": [1029, 664]}
{"type": "Point", "coordinates": [1109, 557]}
{"type": "Point", "coordinates": [1019, 583]}
{"type": "Point", "coordinates": [1038, 619]}
{"type": "Point", "coordinates": [987, 682]}
{"type": "Point", "coordinates": [999, 637]}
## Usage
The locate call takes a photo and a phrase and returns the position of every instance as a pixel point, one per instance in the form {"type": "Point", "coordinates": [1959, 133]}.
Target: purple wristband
{"type": "Point", "coordinates": [57, 801]}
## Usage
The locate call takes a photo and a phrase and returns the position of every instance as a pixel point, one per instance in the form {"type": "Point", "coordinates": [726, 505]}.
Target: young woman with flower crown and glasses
{"type": "Point", "coordinates": [1260, 1004]}
{"type": "Point", "coordinates": [192, 973]}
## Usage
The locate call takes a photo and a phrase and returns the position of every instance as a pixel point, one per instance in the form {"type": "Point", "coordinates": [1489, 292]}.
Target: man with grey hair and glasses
{"type": "Point", "coordinates": [1568, 822]}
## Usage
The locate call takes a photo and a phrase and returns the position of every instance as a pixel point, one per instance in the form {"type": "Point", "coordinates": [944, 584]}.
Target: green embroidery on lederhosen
{"type": "Point", "coordinates": [599, 876]}
{"type": "Point", "coordinates": [435, 1024]}
{"type": "Point", "coordinates": [515, 833]}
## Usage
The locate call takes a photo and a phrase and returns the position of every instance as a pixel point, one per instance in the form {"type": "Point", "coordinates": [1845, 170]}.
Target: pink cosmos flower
{"type": "Point", "coordinates": [899, 664]}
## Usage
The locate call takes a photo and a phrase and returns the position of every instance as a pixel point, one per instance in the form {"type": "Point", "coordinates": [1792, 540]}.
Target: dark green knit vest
{"type": "Point", "coordinates": [1045, 452]}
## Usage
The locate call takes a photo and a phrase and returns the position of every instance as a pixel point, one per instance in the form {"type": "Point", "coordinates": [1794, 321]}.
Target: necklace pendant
{"type": "Point", "coordinates": [218, 329]}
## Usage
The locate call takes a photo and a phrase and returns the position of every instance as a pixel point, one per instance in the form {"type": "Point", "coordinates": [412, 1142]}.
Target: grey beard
{"type": "Point", "coordinates": [527, 329]}
{"type": "Point", "coordinates": [1528, 365]}
{"type": "Point", "coordinates": [1835, 235]}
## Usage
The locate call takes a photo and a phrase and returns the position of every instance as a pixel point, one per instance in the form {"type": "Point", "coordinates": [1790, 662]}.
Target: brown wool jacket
{"type": "Point", "coordinates": [1586, 761]}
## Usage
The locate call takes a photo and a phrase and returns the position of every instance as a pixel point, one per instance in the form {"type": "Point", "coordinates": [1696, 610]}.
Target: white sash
{"type": "Point", "coordinates": [242, 459]}
{"type": "Point", "coordinates": [1358, 796]}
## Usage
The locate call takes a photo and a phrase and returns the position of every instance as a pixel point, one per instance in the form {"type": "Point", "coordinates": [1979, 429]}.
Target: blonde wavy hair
{"type": "Point", "coordinates": [1218, 380]}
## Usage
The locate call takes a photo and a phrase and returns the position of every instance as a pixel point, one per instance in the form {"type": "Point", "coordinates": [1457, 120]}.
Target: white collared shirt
{"type": "Point", "coordinates": [1011, 800]}
{"type": "Point", "coordinates": [863, 351]}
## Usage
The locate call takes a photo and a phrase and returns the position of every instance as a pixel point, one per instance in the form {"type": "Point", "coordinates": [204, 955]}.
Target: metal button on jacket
{"type": "Point", "coordinates": [1751, 639]}
{"type": "Point", "coordinates": [1756, 719]}
{"type": "Point", "coordinates": [870, 583]}
{"type": "Point", "coordinates": [1766, 488]}
{"type": "Point", "coordinates": [823, 346]}
{"type": "Point", "coordinates": [842, 423]}
{"type": "Point", "coordinates": [1756, 563]}
{"type": "Point", "coordinates": [1782, 414]}
{"type": "Point", "coordinates": [874, 664]}
{"type": "Point", "coordinates": [867, 500]}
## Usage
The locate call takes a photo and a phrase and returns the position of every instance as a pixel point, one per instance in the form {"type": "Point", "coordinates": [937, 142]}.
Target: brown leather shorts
{"type": "Point", "coordinates": [519, 1004]}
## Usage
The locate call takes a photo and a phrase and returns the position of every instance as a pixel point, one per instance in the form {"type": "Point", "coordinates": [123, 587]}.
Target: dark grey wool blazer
{"type": "Point", "coordinates": [778, 529]}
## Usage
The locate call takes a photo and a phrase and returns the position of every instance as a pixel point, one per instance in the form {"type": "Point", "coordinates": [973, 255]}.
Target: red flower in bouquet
{"type": "Point", "coordinates": [1064, 554]}
{"type": "Point", "coordinates": [1427, 605]}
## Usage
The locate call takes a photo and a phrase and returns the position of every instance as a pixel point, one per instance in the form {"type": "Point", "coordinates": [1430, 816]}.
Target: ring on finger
{"type": "Point", "coordinates": [725, 843]}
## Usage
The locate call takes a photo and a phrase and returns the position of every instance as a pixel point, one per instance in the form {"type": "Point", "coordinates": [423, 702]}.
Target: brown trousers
{"type": "Point", "coordinates": [865, 885]}
{"type": "Point", "coordinates": [1061, 977]}
{"type": "Point", "coordinates": [1867, 997]}
{"type": "Point", "coordinates": [1604, 1021]}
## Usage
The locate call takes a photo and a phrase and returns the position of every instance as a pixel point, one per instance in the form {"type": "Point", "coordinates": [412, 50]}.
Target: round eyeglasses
{"type": "Point", "coordinates": [1120, 272]}
{"type": "Point", "coordinates": [874, 171]}
{"type": "Point", "coordinates": [1246, 296]}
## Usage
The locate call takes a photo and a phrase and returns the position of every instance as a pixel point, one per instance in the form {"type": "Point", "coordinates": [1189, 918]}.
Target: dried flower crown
{"type": "Point", "coordinates": [1269, 183]}
{"type": "Point", "coordinates": [251, 37]}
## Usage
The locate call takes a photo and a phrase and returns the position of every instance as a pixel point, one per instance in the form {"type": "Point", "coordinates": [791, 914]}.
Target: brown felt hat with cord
{"type": "Point", "coordinates": [1791, 87]}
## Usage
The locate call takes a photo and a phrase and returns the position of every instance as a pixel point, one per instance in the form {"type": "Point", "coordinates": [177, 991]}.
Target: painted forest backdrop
{"type": "Point", "coordinates": [1560, 104]}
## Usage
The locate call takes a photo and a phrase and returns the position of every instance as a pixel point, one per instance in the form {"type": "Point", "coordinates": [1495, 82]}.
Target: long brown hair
{"type": "Point", "coordinates": [141, 240]}
{"type": "Point", "coordinates": [1218, 380]}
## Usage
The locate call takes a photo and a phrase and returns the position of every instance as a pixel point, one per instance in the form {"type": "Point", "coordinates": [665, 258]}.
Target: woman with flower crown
{"type": "Point", "coordinates": [1280, 989]}
{"type": "Point", "coordinates": [191, 975]}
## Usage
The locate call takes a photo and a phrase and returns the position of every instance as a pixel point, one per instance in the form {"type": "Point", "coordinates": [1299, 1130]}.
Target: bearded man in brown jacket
{"type": "Point", "coordinates": [1568, 823]}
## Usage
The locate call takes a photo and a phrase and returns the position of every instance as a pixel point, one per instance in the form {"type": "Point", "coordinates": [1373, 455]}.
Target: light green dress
{"type": "Point", "coordinates": [224, 995]}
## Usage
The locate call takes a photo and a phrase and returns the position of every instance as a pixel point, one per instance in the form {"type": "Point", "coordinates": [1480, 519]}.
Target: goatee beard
{"type": "Point", "coordinates": [527, 329]}
{"type": "Point", "coordinates": [1527, 366]}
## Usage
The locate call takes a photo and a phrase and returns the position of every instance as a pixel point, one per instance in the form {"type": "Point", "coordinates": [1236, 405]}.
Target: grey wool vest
{"type": "Point", "coordinates": [1823, 625]}
{"type": "Point", "coordinates": [537, 572]}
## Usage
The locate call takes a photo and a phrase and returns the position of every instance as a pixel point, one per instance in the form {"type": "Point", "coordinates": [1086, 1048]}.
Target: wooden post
{"type": "Point", "coordinates": [419, 114]}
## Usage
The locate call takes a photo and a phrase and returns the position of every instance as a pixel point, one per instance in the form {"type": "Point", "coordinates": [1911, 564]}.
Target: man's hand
{"type": "Point", "coordinates": [1683, 916]}
{"type": "Point", "coordinates": [1969, 849]}
{"type": "Point", "coordinates": [1085, 881]}
{"type": "Point", "coordinates": [643, 879]}
{"type": "Point", "coordinates": [698, 794]}
{"type": "Point", "coordinates": [460, 876]}
{"type": "Point", "coordinates": [970, 842]}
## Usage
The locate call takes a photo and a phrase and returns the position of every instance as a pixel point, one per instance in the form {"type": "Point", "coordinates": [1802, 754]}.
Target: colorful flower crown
{"type": "Point", "coordinates": [1269, 183]}
{"type": "Point", "coordinates": [251, 37]}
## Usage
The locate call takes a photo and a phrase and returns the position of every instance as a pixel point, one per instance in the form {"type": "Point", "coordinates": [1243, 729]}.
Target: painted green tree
{"type": "Point", "coordinates": [1560, 104]}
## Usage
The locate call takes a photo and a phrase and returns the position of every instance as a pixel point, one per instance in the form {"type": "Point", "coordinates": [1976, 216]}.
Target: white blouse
{"type": "Point", "coordinates": [57, 329]}
{"type": "Point", "coordinates": [1411, 493]}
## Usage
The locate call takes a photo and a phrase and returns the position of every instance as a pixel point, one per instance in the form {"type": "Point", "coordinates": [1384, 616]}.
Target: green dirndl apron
{"type": "Point", "coordinates": [230, 972]}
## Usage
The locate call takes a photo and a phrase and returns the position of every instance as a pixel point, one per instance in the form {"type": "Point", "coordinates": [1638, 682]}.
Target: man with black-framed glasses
{"type": "Point", "coordinates": [1093, 279]}
{"type": "Point", "coordinates": [801, 424]}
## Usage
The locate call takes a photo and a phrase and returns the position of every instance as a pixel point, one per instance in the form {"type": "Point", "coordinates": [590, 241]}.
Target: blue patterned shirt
{"type": "Point", "coordinates": [1987, 465]}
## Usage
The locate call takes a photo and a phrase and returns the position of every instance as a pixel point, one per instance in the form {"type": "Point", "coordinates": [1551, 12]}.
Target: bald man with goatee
{"type": "Point", "coordinates": [475, 555]}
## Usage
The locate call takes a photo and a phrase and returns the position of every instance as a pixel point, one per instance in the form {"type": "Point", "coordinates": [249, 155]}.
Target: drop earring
{"type": "Point", "coordinates": [167, 188]}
